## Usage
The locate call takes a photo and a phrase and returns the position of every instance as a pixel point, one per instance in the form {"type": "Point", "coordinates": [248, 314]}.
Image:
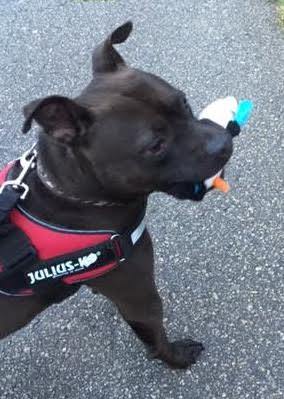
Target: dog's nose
{"type": "Point", "coordinates": [219, 145]}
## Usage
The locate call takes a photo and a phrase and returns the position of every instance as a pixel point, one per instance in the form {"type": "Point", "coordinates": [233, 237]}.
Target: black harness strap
{"type": "Point", "coordinates": [44, 273]}
{"type": "Point", "coordinates": [8, 200]}
{"type": "Point", "coordinates": [16, 251]}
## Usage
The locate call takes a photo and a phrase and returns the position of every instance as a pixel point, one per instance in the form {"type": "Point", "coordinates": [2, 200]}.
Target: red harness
{"type": "Point", "coordinates": [55, 246]}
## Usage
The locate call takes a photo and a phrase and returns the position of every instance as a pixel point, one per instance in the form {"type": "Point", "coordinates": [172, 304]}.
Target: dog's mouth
{"type": "Point", "coordinates": [186, 190]}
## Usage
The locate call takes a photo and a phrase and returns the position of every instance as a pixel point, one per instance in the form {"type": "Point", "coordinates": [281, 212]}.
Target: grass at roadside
{"type": "Point", "coordinates": [280, 6]}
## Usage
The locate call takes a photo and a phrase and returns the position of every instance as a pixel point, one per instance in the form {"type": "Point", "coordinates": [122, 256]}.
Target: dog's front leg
{"type": "Point", "coordinates": [132, 288]}
{"type": "Point", "coordinates": [145, 317]}
{"type": "Point", "coordinates": [17, 312]}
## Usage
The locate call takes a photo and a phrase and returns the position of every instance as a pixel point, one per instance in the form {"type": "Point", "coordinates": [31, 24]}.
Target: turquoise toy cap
{"type": "Point", "coordinates": [243, 112]}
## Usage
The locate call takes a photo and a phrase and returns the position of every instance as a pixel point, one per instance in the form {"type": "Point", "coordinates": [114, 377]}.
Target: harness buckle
{"type": "Point", "coordinates": [117, 247]}
{"type": "Point", "coordinates": [16, 186]}
{"type": "Point", "coordinates": [27, 162]}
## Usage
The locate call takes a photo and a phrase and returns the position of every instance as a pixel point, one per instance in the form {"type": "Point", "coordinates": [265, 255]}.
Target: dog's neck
{"type": "Point", "coordinates": [45, 203]}
{"type": "Point", "coordinates": [58, 170]}
{"type": "Point", "coordinates": [51, 184]}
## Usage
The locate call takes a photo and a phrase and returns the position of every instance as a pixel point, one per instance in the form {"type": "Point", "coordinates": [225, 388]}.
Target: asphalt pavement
{"type": "Point", "coordinates": [218, 263]}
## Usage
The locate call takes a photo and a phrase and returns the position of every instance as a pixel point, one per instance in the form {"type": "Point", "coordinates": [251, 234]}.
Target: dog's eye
{"type": "Point", "coordinates": [157, 147]}
{"type": "Point", "coordinates": [186, 105]}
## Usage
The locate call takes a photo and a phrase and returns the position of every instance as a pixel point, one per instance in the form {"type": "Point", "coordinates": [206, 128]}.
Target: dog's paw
{"type": "Point", "coordinates": [184, 353]}
{"type": "Point", "coordinates": [178, 354]}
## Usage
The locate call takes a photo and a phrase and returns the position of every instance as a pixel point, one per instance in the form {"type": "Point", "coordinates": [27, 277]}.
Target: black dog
{"type": "Point", "coordinates": [128, 134]}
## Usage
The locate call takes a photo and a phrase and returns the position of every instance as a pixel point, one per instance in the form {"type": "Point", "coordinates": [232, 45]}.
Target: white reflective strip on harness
{"type": "Point", "coordinates": [6, 293]}
{"type": "Point", "coordinates": [137, 233]}
{"type": "Point", "coordinates": [9, 294]}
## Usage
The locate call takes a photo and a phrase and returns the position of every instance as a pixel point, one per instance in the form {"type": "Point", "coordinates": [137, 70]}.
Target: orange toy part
{"type": "Point", "coordinates": [221, 184]}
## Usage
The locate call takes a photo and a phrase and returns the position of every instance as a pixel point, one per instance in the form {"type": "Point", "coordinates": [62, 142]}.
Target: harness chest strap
{"type": "Point", "coordinates": [35, 255]}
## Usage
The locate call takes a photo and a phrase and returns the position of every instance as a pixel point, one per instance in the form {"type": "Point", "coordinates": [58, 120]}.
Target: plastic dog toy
{"type": "Point", "coordinates": [232, 115]}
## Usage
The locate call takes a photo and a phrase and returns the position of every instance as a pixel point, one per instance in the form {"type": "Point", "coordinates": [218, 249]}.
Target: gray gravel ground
{"type": "Point", "coordinates": [221, 278]}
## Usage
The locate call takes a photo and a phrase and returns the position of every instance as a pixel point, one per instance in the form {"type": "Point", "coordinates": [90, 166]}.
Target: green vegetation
{"type": "Point", "coordinates": [280, 6]}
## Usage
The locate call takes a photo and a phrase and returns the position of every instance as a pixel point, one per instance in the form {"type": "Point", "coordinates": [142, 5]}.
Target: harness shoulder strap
{"type": "Point", "coordinates": [8, 200]}
{"type": "Point", "coordinates": [16, 250]}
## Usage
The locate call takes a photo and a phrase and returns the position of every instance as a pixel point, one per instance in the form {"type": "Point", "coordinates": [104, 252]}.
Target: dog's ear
{"type": "Point", "coordinates": [105, 57]}
{"type": "Point", "coordinates": [60, 117]}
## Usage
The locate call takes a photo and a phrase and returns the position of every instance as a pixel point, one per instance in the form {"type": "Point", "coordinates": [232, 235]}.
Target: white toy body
{"type": "Point", "coordinates": [221, 111]}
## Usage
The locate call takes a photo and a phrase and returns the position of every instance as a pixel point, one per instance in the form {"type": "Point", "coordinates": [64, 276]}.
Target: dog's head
{"type": "Point", "coordinates": [136, 131]}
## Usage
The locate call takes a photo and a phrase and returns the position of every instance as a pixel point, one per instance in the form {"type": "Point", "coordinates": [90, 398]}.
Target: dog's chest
{"type": "Point", "coordinates": [35, 255]}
